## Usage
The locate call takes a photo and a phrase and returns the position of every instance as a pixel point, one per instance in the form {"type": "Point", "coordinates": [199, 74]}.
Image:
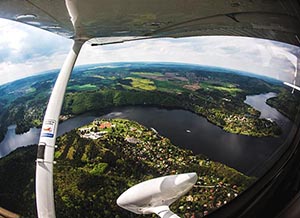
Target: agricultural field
{"type": "Point", "coordinates": [217, 95]}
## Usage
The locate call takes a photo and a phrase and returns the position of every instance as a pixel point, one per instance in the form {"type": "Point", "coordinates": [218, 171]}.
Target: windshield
{"type": "Point", "coordinates": [220, 106]}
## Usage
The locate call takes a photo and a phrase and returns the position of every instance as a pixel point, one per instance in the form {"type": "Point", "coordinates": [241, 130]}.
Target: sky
{"type": "Point", "coordinates": [26, 50]}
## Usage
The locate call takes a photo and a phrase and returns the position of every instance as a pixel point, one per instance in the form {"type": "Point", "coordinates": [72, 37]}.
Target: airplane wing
{"type": "Point", "coordinates": [112, 21]}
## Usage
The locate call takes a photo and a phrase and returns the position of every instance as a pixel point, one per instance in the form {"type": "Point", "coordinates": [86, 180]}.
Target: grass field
{"type": "Point", "coordinates": [227, 87]}
{"type": "Point", "coordinates": [146, 73]}
{"type": "Point", "coordinates": [144, 84]}
{"type": "Point", "coordinates": [167, 86]}
{"type": "Point", "coordinates": [86, 87]}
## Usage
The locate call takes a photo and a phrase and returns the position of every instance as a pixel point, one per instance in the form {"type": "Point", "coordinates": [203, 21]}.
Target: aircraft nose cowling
{"type": "Point", "coordinates": [156, 192]}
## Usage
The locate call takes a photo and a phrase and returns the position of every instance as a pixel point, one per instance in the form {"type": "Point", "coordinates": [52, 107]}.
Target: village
{"type": "Point", "coordinates": [146, 145]}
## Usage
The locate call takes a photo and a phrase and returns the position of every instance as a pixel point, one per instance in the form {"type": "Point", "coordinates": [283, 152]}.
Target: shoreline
{"type": "Point", "coordinates": [200, 141]}
{"type": "Point", "coordinates": [110, 109]}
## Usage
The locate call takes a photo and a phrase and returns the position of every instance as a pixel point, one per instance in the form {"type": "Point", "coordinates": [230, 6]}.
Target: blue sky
{"type": "Point", "coordinates": [25, 50]}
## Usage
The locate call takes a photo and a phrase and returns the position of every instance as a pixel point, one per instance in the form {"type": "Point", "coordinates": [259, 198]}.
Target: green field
{"type": "Point", "coordinates": [86, 87]}
{"type": "Point", "coordinates": [143, 84]}
{"type": "Point", "coordinates": [227, 87]}
{"type": "Point", "coordinates": [168, 86]}
{"type": "Point", "coordinates": [219, 97]}
{"type": "Point", "coordinates": [147, 73]}
{"type": "Point", "coordinates": [92, 172]}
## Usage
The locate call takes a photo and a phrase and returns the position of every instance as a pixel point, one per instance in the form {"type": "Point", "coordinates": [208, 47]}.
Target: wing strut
{"type": "Point", "coordinates": [46, 147]}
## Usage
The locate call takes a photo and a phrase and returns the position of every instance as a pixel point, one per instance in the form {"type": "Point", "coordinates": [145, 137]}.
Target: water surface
{"type": "Point", "coordinates": [186, 130]}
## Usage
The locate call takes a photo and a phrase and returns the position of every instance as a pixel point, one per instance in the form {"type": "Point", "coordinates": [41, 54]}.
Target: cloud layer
{"type": "Point", "coordinates": [264, 57]}
{"type": "Point", "coordinates": [25, 50]}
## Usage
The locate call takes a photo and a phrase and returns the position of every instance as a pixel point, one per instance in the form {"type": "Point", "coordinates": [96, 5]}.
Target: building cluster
{"type": "Point", "coordinates": [146, 145]}
{"type": "Point", "coordinates": [95, 130]}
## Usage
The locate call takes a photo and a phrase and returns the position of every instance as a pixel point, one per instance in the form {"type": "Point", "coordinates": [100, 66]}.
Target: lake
{"type": "Point", "coordinates": [186, 130]}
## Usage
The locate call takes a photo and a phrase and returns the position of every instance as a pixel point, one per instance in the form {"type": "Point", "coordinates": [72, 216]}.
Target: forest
{"type": "Point", "coordinates": [97, 162]}
{"type": "Point", "coordinates": [216, 94]}
{"type": "Point", "coordinates": [90, 174]}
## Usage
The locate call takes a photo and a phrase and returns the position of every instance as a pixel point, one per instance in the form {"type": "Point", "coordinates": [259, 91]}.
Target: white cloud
{"type": "Point", "coordinates": [27, 51]}
{"type": "Point", "coordinates": [13, 71]}
{"type": "Point", "coordinates": [13, 38]}
{"type": "Point", "coordinates": [258, 56]}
